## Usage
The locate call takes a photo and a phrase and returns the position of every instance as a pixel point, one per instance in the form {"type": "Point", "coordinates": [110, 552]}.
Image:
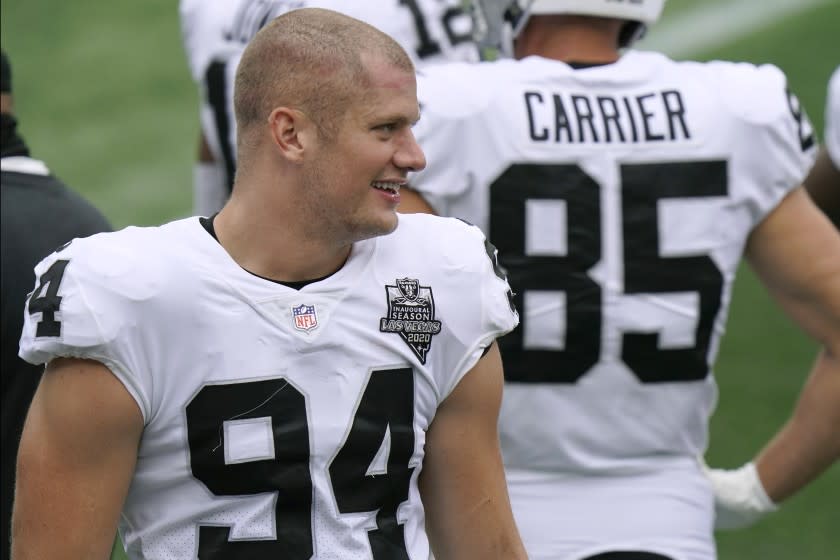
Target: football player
{"type": "Point", "coordinates": [622, 189]}
{"type": "Point", "coordinates": [302, 375]}
{"type": "Point", "coordinates": [823, 182]}
{"type": "Point", "coordinates": [215, 32]}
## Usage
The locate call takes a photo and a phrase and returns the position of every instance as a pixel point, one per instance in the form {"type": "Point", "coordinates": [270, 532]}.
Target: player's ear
{"type": "Point", "coordinates": [291, 131]}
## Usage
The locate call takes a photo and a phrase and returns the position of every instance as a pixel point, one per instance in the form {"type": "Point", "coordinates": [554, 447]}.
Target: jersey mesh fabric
{"type": "Point", "coordinates": [261, 424]}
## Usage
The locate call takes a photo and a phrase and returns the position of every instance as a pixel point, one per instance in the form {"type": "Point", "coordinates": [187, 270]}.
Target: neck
{"type": "Point", "coordinates": [570, 39]}
{"type": "Point", "coordinates": [266, 239]}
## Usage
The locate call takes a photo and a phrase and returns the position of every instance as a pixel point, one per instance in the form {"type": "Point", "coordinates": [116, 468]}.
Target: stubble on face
{"type": "Point", "coordinates": [338, 199]}
{"type": "Point", "coordinates": [334, 210]}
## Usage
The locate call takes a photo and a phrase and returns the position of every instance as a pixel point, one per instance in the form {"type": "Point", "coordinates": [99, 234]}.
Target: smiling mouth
{"type": "Point", "coordinates": [393, 188]}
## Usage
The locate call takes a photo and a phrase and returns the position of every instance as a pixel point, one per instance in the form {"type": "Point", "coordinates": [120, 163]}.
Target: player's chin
{"type": "Point", "coordinates": [388, 221]}
{"type": "Point", "coordinates": [382, 223]}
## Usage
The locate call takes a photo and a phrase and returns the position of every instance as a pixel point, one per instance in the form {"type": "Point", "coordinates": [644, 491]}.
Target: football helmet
{"type": "Point", "coordinates": [496, 23]}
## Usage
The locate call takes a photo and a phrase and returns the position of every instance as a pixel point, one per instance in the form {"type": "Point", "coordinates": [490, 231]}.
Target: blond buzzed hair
{"type": "Point", "coordinates": [308, 59]}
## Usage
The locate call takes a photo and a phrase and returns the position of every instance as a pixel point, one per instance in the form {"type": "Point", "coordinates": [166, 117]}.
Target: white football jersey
{"type": "Point", "coordinates": [204, 31]}
{"type": "Point", "coordinates": [215, 33]}
{"type": "Point", "coordinates": [279, 423]}
{"type": "Point", "coordinates": [832, 118]}
{"type": "Point", "coordinates": [620, 198]}
{"type": "Point", "coordinates": [429, 30]}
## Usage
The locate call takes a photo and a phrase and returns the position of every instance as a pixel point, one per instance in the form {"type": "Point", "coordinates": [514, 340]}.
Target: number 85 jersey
{"type": "Point", "coordinates": [279, 423]}
{"type": "Point", "coordinates": [620, 198]}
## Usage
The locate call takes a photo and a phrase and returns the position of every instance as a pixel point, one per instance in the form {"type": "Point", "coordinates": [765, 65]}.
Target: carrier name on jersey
{"type": "Point", "coordinates": [574, 118]}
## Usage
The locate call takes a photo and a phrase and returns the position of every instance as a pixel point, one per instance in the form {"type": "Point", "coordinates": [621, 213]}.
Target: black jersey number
{"type": "Point", "coordinates": [45, 300]}
{"type": "Point", "coordinates": [427, 45]}
{"type": "Point", "coordinates": [645, 269]}
{"type": "Point", "coordinates": [387, 404]}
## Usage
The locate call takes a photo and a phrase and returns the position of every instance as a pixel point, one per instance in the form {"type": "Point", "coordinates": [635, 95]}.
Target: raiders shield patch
{"type": "Point", "coordinates": [411, 314]}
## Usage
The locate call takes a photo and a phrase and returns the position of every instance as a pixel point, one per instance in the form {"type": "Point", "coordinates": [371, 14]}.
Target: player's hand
{"type": "Point", "coordinates": [740, 498]}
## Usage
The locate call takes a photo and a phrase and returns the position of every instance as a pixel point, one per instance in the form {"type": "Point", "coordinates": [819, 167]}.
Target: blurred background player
{"type": "Point", "coordinates": [823, 183]}
{"type": "Point", "coordinates": [215, 33]}
{"type": "Point", "coordinates": [39, 214]}
{"type": "Point", "coordinates": [622, 192]}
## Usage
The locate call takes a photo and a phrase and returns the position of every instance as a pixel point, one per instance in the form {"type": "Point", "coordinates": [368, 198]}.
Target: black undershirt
{"type": "Point", "coordinates": [207, 223]}
{"type": "Point", "coordinates": [584, 65]}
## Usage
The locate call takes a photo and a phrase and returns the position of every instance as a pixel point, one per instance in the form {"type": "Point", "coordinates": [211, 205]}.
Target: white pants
{"type": "Point", "coordinates": [569, 517]}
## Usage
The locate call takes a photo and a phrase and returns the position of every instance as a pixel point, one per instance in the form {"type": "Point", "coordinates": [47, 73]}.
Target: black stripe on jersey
{"type": "Point", "coordinates": [628, 555]}
{"type": "Point", "coordinates": [217, 98]}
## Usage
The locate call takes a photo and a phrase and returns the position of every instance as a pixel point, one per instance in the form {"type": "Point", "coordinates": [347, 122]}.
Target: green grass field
{"type": "Point", "coordinates": [104, 97]}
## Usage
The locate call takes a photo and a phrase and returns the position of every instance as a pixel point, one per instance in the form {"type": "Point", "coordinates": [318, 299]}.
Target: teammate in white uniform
{"type": "Point", "coordinates": [823, 183]}
{"type": "Point", "coordinates": [291, 388]}
{"type": "Point", "coordinates": [215, 32]}
{"type": "Point", "coordinates": [622, 192]}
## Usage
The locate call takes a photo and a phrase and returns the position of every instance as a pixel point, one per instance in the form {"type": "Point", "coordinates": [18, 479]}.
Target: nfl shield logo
{"type": "Point", "coordinates": [304, 317]}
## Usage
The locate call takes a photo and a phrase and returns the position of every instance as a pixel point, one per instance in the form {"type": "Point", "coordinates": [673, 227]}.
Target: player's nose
{"type": "Point", "coordinates": [409, 155]}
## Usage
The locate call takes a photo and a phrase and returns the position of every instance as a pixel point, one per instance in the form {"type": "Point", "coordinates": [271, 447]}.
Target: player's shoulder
{"type": "Point", "coordinates": [447, 239]}
{"type": "Point", "coordinates": [735, 74]}
{"type": "Point", "coordinates": [134, 262]}
{"type": "Point", "coordinates": [459, 261]}
{"type": "Point", "coordinates": [465, 72]}
{"type": "Point", "coordinates": [742, 76]}
{"type": "Point", "coordinates": [756, 93]}
{"type": "Point", "coordinates": [462, 88]}
{"type": "Point", "coordinates": [132, 244]}
{"type": "Point", "coordinates": [426, 225]}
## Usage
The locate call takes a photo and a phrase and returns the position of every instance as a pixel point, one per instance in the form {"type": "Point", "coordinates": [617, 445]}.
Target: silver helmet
{"type": "Point", "coordinates": [496, 23]}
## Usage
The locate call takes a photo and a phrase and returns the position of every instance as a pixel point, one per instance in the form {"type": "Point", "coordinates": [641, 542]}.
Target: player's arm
{"type": "Point", "coordinates": [796, 253]}
{"type": "Point", "coordinates": [412, 202]}
{"type": "Point", "coordinates": [76, 460]}
{"type": "Point", "coordinates": [468, 514]}
{"type": "Point", "coordinates": [823, 184]}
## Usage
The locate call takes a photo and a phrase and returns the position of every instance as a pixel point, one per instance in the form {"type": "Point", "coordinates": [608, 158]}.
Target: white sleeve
{"type": "Point", "coordinates": [80, 308]}
{"type": "Point", "coordinates": [203, 25]}
{"type": "Point", "coordinates": [779, 139]}
{"type": "Point", "coordinates": [481, 294]}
